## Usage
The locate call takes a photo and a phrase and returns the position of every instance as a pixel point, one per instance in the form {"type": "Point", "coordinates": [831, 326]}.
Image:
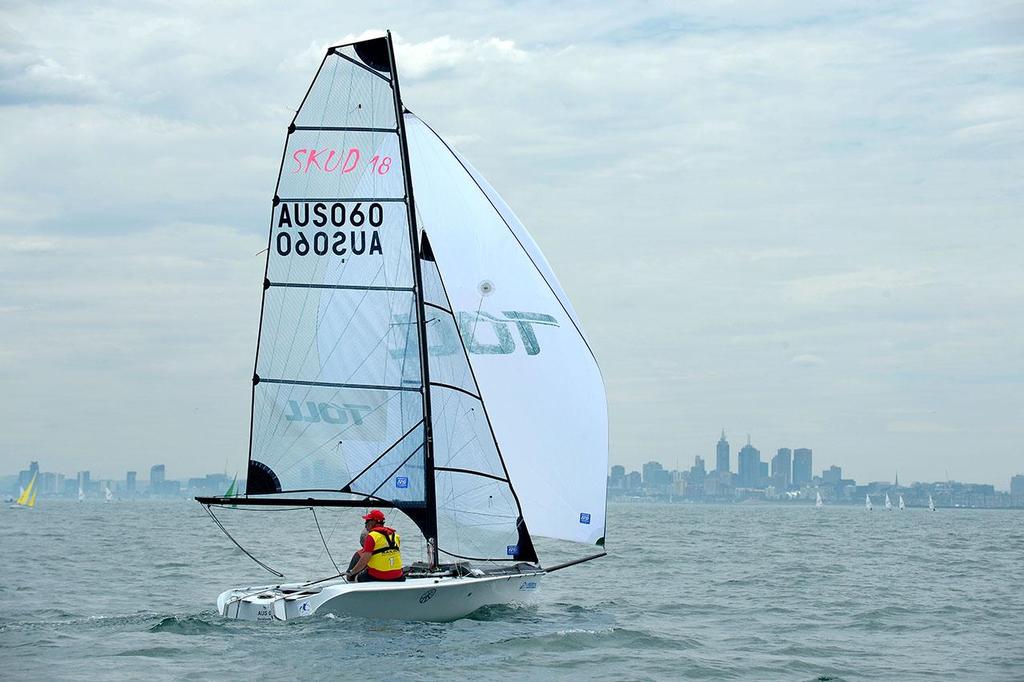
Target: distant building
{"type": "Point", "coordinates": [782, 468]}
{"type": "Point", "coordinates": [129, 483]}
{"type": "Point", "coordinates": [655, 476]}
{"type": "Point", "coordinates": [157, 476]}
{"type": "Point", "coordinates": [633, 480]}
{"type": "Point", "coordinates": [833, 475]}
{"type": "Point", "coordinates": [698, 472]}
{"type": "Point", "coordinates": [1017, 486]}
{"type": "Point", "coordinates": [749, 466]}
{"type": "Point", "coordinates": [763, 475]}
{"type": "Point", "coordinates": [25, 476]}
{"type": "Point", "coordinates": [84, 481]}
{"type": "Point", "coordinates": [722, 454]}
{"type": "Point", "coordinates": [802, 466]}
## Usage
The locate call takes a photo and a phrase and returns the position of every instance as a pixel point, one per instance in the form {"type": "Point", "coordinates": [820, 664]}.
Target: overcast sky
{"type": "Point", "coordinates": [797, 220]}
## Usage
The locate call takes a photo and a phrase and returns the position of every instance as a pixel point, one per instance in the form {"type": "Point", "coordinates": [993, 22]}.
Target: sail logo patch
{"type": "Point", "coordinates": [482, 334]}
{"type": "Point", "coordinates": [401, 481]}
{"type": "Point", "coordinates": [305, 609]}
{"type": "Point", "coordinates": [512, 550]}
{"type": "Point", "coordinates": [585, 518]}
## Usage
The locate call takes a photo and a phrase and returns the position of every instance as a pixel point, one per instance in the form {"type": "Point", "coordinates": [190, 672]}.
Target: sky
{"type": "Point", "coordinates": [793, 220]}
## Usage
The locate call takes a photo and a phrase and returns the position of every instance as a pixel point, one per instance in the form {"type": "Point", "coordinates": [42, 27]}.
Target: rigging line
{"type": "Point", "coordinates": [395, 471]}
{"type": "Point", "coordinates": [516, 237]}
{"type": "Point", "coordinates": [454, 388]}
{"type": "Point", "coordinates": [244, 550]}
{"type": "Point", "coordinates": [326, 548]}
{"type": "Point", "coordinates": [363, 66]}
{"type": "Point", "coordinates": [381, 456]}
{"type": "Point", "coordinates": [470, 472]}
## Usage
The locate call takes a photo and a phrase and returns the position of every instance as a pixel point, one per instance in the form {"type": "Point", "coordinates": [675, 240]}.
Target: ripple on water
{"type": "Point", "coordinates": [189, 625]}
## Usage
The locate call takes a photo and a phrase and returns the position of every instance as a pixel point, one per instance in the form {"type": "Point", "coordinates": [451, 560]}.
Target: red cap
{"type": "Point", "coordinates": [375, 515]}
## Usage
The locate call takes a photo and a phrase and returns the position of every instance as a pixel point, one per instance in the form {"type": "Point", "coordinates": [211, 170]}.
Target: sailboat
{"type": "Point", "coordinates": [931, 504]}
{"type": "Point", "coordinates": [108, 495]}
{"type": "Point", "coordinates": [27, 498]}
{"type": "Point", "coordinates": [867, 502]}
{"type": "Point", "coordinates": [81, 493]}
{"type": "Point", "coordinates": [818, 502]}
{"type": "Point", "coordinates": [900, 504]}
{"type": "Point", "coordinates": [888, 503]}
{"type": "Point", "coordinates": [416, 353]}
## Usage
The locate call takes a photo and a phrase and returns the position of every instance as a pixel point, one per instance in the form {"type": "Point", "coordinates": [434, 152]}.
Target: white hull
{"type": "Point", "coordinates": [425, 599]}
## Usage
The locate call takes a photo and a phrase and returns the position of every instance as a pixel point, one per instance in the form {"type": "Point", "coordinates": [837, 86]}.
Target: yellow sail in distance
{"type": "Point", "coordinates": [28, 495]}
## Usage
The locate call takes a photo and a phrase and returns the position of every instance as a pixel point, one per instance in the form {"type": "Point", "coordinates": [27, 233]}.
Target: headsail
{"type": "Point", "coordinates": [541, 384]}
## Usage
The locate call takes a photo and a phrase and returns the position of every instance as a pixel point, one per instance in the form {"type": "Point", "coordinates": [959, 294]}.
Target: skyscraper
{"type": "Point", "coordinates": [157, 475]}
{"type": "Point", "coordinates": [749, 466]}
{"type": "Point", "coordinates": [722, 454]}
{"type": "Point", "coordinates": [129, 483]}
{"type": "Point", "coordinates": [782, 468]}
{"type": "Point", "coordinates": [655, 475]}
{"type": "Point", "coordinates": [802, 466]}
{"type": "Point", "coordinates": [1017, 485]}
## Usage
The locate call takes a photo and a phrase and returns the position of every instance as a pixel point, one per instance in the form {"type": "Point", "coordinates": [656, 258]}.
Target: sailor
{"type": "Point", "coordinates": [380, 558]}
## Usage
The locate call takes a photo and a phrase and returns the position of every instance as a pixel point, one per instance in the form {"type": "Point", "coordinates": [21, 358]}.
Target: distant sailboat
{"type": "Point", "coordinates": [867, 503]}
{"type": "Point", "coordinates": [27, 498]}
{"type": "Point", "coordinates": [81, 493]}
{"type": "Point", "coordinates": [901, 505]}
{"type": "Point", "coordinates": [818, 502]}
{"type": "Point", "coordinates": [888, 503]}
{"type": "Point", "coordinates": [107, 494]}
{"type": "Point", "coordinates": [931, 504]}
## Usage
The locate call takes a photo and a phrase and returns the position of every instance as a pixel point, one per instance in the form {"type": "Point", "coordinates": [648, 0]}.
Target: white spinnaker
{"type": "Point", "coordinates": [539, 380]}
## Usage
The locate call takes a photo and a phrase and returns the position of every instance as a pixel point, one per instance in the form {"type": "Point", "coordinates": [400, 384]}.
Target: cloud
{"type": "Point", "coordinates": [807, 360]}
{"type": "Point", "coordinates": [918, 427]}
{"type": "Point", "coordinates": [428, 57]}
{"type": "Point", "coordinates": [724, 192]}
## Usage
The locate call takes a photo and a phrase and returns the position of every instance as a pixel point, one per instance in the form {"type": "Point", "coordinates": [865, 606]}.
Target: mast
{"type": "Point", "coordinates": [430, 525]}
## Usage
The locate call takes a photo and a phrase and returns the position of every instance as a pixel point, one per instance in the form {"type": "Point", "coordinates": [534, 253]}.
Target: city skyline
{"type": "Point", "coordinates": [718, 453]}
{"type": "Point", "coordinates": [793, 467]}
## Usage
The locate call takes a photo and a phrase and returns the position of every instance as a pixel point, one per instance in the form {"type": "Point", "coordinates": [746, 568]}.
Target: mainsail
{"type": "Point", "coordinates": [416, 350]}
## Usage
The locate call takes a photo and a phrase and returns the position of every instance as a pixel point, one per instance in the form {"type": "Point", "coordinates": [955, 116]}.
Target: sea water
{"type": "Point", "coordinates": [749, 592]}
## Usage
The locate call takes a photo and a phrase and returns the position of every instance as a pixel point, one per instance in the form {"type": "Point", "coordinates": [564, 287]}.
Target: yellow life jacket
{"type": "Point", "coordinates": [386, 550]}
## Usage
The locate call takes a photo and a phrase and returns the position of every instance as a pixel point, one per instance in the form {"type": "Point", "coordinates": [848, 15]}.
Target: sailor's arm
{"type": "Point", "coordinates": [364, 559]}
